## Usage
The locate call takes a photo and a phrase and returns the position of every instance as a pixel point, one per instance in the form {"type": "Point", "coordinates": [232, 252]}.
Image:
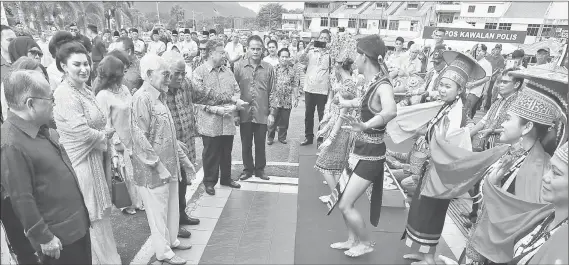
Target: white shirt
{"type": "Point", "coordinates": [234, 50]}
{"type": "Point", "coordinates": [47, 59]}
{"type": "Point", "coordinates": [55, 76]}
{"type": "Point", "coordinates": [477, 91]}
{"type": "Point", "coordinates": [272, 61]}
{"type": "Point", "coordinates": [156, 47]}
{"type": "Point", "coordinates": [190, 47]}
{"type": "Point", "coordinates": [171, 45]}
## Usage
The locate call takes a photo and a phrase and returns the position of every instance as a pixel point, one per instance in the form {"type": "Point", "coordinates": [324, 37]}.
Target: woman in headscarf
{"type": "Point", "coordinates": [365, 161]}
{"type": "Point", "coordinates": [427, 214]}
{"type": "Point", "coordinates": [538, 233]}
{"type": "Point", "coordinates": [24, 46]}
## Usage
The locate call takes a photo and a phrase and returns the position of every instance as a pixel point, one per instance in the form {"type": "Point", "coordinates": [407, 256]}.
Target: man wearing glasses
{"type": "Point", "coordinates": [179, 100]}
{"type": "Point", "coordinates": [79, 37]}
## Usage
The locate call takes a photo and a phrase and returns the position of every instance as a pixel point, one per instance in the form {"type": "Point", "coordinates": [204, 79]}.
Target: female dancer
{"type": "Point", "coordinates": [427, 215]}
{"type": "Point", "coordinates": [334, 150]}
{"type": "Point", "coordinates": [365, 163]}
{"type": "Point", "coordinates": [81, 125]}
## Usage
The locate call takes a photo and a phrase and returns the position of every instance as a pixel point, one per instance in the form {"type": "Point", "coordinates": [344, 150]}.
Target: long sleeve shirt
{"type": "Point", "coordinates": [43, 188]}
{"type": "Point", "coordinates": [257, 85]}
{"type": "Point", "coordinates": [159, 149]}
{"type": "Point", "coordinates": [215, 89]}
{"type": "Point", "coordinates": [99, 50]}
{"type": "Point", "coordinates": [317, 76]}
{"type": "Point", "coordinates": [287, 84]}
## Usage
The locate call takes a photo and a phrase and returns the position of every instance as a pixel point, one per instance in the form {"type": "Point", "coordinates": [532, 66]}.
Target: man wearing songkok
{"type": "Point", "coordinates": [38, 178]}
{"type": "Point", "coordinates": [156, 46]}
{"type": "Point", "coordinates": [175, 41]}
{"type": "Point", "coordinates": [179, 101]}
{"type": "Point", "coordinates": [216, 115]}
{"type": "Point", "coordinates": [139, 45]}
{"type": "Point", "coordinates": [188, 47]}
{"type": "Point", "coordinates": [158, 159]}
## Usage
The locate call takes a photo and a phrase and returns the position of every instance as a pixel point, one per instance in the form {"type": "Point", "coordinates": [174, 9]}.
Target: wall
{"type": "Point", "coordinates": [481, 9]}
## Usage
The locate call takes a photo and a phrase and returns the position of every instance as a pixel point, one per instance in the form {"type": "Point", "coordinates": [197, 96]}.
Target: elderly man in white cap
{"type": "Point", "coordinates": [157, 159]}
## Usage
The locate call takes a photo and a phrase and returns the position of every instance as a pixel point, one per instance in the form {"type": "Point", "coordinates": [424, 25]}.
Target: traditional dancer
{"type": "Point", "coordinates": [365, 164]}
{"type": "Point", "coordinates": [427, 215]}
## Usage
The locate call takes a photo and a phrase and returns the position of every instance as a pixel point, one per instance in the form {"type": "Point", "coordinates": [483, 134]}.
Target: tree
{"type": "Point", "coordinates": [270, 15]}
{"type": "Point", "coordinates": [177, 15]}
{"type": "Point", "coordinates": [120, 13]}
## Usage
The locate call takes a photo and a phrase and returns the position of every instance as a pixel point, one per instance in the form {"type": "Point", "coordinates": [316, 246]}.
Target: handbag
{"type": "Point", "coordinates": [120, 196]}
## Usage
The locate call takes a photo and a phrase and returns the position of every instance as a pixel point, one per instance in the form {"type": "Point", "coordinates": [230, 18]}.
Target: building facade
{"type": "Point", "coordinates": [541, 20]}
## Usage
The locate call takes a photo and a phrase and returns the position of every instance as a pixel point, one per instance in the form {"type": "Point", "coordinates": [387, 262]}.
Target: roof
{"type": "Point", "coordinates": [349, 11]}
{"type": "Point", "coordinates": [382, 12]}
{"type": "Point", "coordinates": [526, 10]}
{"type": "Point", "coordinates": [404, 12]}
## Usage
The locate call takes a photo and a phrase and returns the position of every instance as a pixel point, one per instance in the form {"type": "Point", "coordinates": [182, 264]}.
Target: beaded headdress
{"type": "Point", "coordinates": [461, 68]}
{"type": "Point", "coordinates": [543, 98]}
{"type": "Point", "coordinates": [561, 152]}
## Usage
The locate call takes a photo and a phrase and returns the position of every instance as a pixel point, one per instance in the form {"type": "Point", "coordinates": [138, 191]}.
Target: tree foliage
{"type": "Point", "coordinates": [270, 16]}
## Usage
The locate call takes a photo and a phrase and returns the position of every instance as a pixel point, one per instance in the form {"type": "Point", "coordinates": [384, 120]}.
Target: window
{"type": "Point", "coordinates": [446, 17]}
{"type": "Point", "coordinates": [333, 22]}
{"type": "Point", "coordinates": [351, 6]}
{"type": "Point", "coordinates": [505, 26]}
{"type": "Point", "coordinates": [491, 9]}
{"type": "Point", "coordinates": [547, 31]}
{"type": "Point", "coordinates": [471, 9]}
{"type": "Point", "coordinates": [414, 25]}
{"type": "Point", "coordinates": [363, 23]}
{"type": "Point", "coordinates": [382, 24]}
{"type": "Point", "coordinates": [490, 25]}
{"type": "Point", "coordinates": [323, 22]}
{"type": "Point", "coordinates": [380, 5]}
{"type": "Point", "coordinates": [310, 5]}
{"type": "Point", "coordinates": [533, 29]}
{"type": "Point", "coordinates": [352, 23]}
{"type": "Point", "coordinates": [393, 24]}
{"type": "Point", "coordinates": [307, 22]}
{"type": "Point", "coordinates": [412, 5]}
{"type": "Point", "coordinates": [323, 6]}
{"type": "Point", "coordinates": [472, 23]}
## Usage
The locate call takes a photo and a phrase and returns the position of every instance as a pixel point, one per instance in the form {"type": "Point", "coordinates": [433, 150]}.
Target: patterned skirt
{"type": "Point", "coordinates": [425, 221]}
{"type": "Point", "coordinates": [333, 158]}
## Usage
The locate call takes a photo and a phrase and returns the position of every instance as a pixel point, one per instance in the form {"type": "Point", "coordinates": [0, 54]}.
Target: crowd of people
{"type": "Point", "coordinates": [80, 109]}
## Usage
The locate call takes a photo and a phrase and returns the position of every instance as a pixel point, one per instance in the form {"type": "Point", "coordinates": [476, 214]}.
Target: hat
{"type": "Point", "coordinates": [134, 30]}
{"type": "Point", "coordinates": [561, 152]}
{"type": "Point", "coordinates": [155, 31]}
{"type": "Point", "coordinates": [461, 68]}
{"type": "Point", "coordinates": [498, 46]}
{"type": "Point", "coordinates": [518, 54]}
{"type": "Point", "coordinates": [205, 32]}
{"type": "Point", "coordinates": [543, 97]}
{"type": "Point", "coordinates": [187, 31]}
{"type": "Point", "coordinates": [116, 34]}
{"type": "Point", "coordinates": [372, 46]}
{"type": "Point", "coordinates": [546, 49]}
{"type": "Point", "coordinates": [174, 32]}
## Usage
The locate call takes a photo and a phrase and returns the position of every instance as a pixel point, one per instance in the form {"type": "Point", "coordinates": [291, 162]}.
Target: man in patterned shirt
{"type": "Point", "coordinates": [179, 101]}
{"type": "Point", "coordinates": [286, 95]}
{"type": "Point", "coordinates": [216, 111]}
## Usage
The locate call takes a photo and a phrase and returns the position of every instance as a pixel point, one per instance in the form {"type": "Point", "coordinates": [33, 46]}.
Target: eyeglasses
{"type": "Point", "coordinates": [178, 74]}
{"type": "Point", "coordinates": [52, 99]}
{"type": "Point", "coordinates": [36, 53]}
{"type": "Point", "coordinates": [166, 74]}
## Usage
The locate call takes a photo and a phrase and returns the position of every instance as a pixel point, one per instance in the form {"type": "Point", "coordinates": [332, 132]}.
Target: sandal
{"type": "Point", "coordinates": [358, 250]}
{"type": "Point", "coordinates": [343, 245]}
{"type": "Point", "coordinates": [176, 260]}
{"type": "Point", "coordinates": [130, 211]}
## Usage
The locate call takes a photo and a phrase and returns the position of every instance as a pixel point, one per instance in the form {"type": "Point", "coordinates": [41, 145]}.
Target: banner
{"type": "Point", "coordinates": [479, 35]}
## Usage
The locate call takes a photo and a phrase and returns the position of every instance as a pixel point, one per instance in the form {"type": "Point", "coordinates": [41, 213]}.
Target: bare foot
{"type": "Point", "coordinates": [343, 245]}
{"type": "Point", "coordinates": [358, 250]}
{"type": "Point", "coordinates": [414, 256]}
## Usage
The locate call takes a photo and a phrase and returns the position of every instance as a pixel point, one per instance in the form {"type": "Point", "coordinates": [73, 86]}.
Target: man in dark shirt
{"type": "Point", "coordinates": [98, 51]}
{"type": "Point", "coordinates": [38, 176]}
{"type": "Point", "coordinates": [256, 80]}
{"type": "Point", "coordinates": [80, 37]}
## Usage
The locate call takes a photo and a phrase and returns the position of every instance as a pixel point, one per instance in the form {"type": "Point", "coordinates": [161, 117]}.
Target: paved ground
{"type": "Point", "coordinates": [243, 226]}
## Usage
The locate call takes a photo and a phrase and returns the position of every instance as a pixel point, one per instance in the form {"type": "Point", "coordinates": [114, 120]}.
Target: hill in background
{"type": "Point", "coordinates": [225, 9]}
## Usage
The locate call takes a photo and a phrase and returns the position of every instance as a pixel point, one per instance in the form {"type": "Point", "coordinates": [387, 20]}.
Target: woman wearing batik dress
{"type": "Point", "coordinates": [427, 215]}
{"type": "Point", "coordinates": [334, 150]}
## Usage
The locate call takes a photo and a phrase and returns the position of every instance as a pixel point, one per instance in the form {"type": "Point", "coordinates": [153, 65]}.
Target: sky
{"type": "Point", "coordinates": [255, 6]}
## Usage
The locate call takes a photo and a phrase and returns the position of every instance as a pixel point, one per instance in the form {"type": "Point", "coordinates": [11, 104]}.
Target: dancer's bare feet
{"type": "Point", "coordinates": [343, 245]}
{"type": "Point", "coordinates": [359, 249]}
{"type": "Point", "coordinates": [414, 256]}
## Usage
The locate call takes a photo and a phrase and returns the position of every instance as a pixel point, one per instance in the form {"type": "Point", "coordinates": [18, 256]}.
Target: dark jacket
{"type": "Point", "coordinates": [41, 183]}
{"type": "Point", "coordinates": [85, 41]}
{"type": "Point", "coordinates": [99, 50]}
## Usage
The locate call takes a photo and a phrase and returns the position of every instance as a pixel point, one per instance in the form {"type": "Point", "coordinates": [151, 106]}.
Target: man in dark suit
{"type": "Point", "coordinates": [37, 174]}
{"type": "Point", "coordinates": [98, 51]}
{"type": "Point", "coordinates": [80, 37]}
